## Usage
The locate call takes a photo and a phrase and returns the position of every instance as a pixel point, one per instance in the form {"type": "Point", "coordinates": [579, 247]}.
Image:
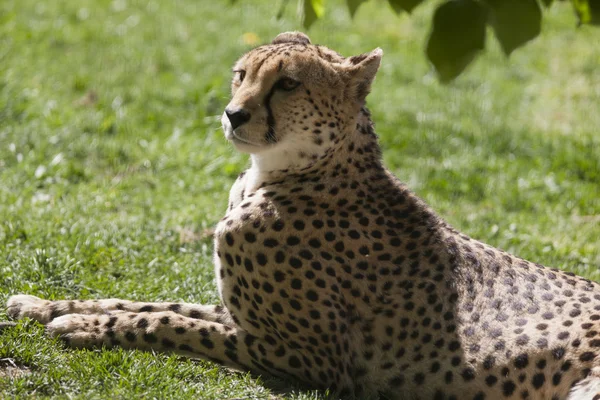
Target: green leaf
{"type": "Point", "coordinates": [515, 22]}
{"type": "Point", "coordinates": [588, 11]}
{"type": "Point", "coordinates": [404, 5]}
{"type": "Point", "coordinates": [312, 10]}
{"type": "Point", "coordinates": [458, 34]}
{"type": "Point", "coordinates": [353, 6]}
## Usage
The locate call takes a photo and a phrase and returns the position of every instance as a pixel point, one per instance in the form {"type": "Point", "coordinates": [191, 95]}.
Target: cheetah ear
{"type": "Point", "coordinates": [291, 37]}
{"type": "Point", "coordinates": [362, 70]}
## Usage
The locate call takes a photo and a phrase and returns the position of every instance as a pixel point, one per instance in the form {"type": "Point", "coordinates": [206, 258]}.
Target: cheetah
{"type": "Point", "coordinates": [333, 273]}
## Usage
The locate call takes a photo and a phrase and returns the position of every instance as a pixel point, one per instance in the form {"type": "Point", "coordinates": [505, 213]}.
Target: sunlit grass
{"type": "Point", "coordinates": [112, 162]}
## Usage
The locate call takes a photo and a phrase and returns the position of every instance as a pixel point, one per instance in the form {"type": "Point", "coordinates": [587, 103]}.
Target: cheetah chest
{"type": "Point", "coordinates": [262, 273]}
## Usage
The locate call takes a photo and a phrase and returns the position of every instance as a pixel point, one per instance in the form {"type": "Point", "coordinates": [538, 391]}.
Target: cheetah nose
{"type": "Point", "coordinates": [237, 116]}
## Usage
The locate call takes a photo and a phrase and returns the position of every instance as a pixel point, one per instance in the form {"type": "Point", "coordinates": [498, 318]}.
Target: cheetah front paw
{"type": "Point", "coordinates": [79, 330]}
{"type": "Point", "coordinates": [22, 305]}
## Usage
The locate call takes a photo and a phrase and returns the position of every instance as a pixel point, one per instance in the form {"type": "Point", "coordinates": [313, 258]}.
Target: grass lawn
{"type": "Point", "coordinates": [112, 161]}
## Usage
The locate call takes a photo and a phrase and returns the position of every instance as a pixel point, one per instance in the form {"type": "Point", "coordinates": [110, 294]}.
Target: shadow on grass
{"type": "Point", "coordinates": [11, 368]}
{"type": "Point", "coordinates": [277, 386]}
{"type": "Point", "coordinates": [5, 324]}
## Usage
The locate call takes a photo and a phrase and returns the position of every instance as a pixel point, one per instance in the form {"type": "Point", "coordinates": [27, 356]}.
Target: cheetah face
{"type": "Point", "coordinates": [294, 99]}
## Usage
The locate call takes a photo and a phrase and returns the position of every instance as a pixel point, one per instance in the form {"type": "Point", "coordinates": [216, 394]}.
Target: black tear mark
{"type": "Point", "coordinates": [270, 135]}
{"type": "Point", "coordinates": [280, 66]}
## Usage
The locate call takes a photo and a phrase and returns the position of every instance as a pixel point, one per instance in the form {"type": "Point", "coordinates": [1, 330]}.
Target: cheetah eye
{"type": "Point", "coordinates": [239, 76]}
{"type": "Point", "coordinates": [287, 84]}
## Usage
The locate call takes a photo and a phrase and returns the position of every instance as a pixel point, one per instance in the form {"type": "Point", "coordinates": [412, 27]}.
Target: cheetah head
{"type": "Point", "coordinates": [293, 99]}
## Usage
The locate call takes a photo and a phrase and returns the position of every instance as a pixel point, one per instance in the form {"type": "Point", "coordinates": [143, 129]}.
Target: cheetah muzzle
{"type": "Point", "coordinates": [333, 273]}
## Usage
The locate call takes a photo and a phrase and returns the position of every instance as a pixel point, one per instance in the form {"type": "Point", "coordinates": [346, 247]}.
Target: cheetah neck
{"type": "Point", "coordinates": [301, 157]}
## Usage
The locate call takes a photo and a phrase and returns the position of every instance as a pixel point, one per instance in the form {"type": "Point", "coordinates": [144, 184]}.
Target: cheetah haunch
{"type": "Point", "coordinates": [333, 273]}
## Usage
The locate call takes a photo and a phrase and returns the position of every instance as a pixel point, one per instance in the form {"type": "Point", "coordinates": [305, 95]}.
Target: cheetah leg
{"type": "Point", "coordinates": [44, 311]}
{"type": "Point", "coordinates": [86, 324]}
{"type": "Point", "coordinates": [588, 388]}
{"type": "Point", "coordinates": [171, 332]}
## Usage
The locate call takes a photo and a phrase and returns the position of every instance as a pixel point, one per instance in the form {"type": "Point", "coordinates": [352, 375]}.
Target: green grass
{"type": "Point", "coordinates": [112, 161]}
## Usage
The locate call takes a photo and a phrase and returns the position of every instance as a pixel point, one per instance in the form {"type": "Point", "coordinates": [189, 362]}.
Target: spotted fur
{"type": "Point", "coordinates": [333, 273]}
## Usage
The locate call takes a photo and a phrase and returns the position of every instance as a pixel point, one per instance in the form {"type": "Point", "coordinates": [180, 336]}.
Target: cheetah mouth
{"type": "Point", "coordinates": [231, 135]}
{"type": "Point", "coordinates": [235, 138]}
